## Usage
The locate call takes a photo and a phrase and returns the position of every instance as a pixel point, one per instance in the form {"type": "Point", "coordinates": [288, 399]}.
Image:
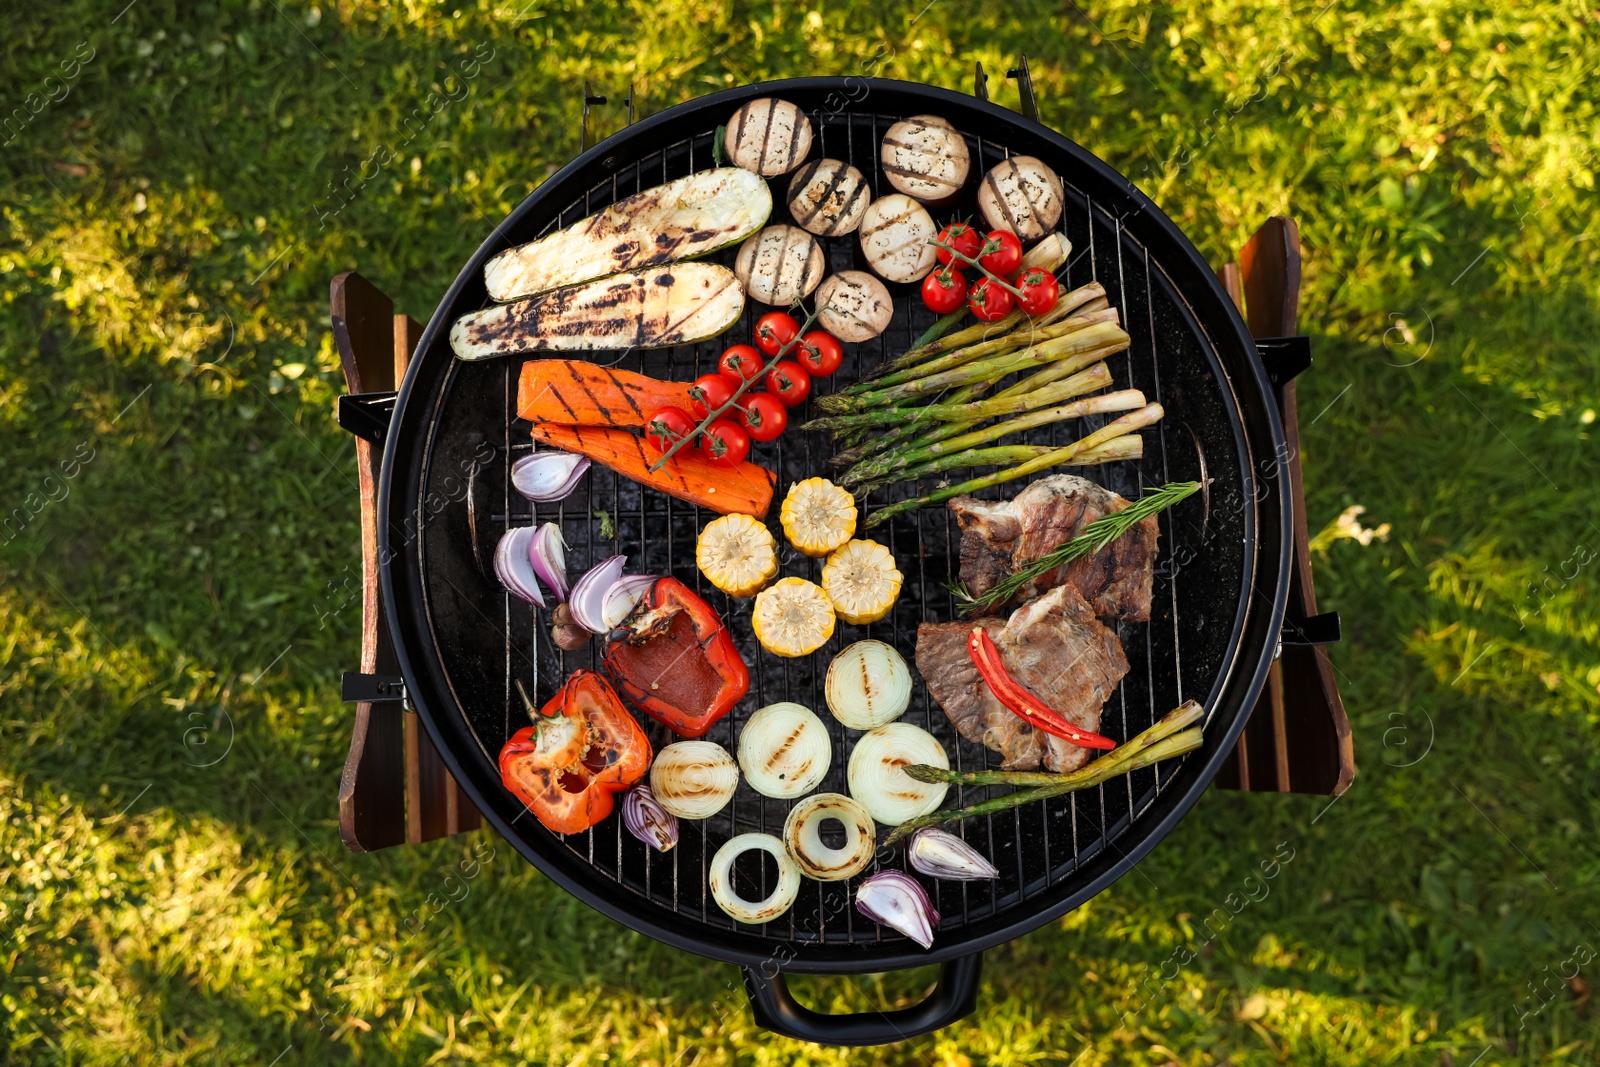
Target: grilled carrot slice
{"type": "Point", "coordinates": [575, 392]}
{"type": "Point", "coordinates": [744, 490]}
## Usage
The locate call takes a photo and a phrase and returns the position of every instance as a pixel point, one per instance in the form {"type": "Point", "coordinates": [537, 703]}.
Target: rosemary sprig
{"type": "Point", "coordinates": [1091, 539]}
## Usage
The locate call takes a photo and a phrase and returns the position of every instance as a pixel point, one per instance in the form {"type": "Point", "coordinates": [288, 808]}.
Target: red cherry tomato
{"type": "Point", "coordinates": [708, 393]}
{"type": "Point", "coordinates": [725, 443]}
{"type": "Point", "coordinates": [963, 238]}
{"type": "Point", "coordinates": [741, 363]}
{"type": "Point", "coordinates": [944, 290]}
{"type": "Point", "coordinates": [1002, 253]}
{"type": "Point", "coordinates": [990, 302]}
{"type": "Point", "coordinates": [1040, 290]}
{"type": "Point", "coordinates": [789, 382]}
{"type": "Point", "coordinates": [763, 416]}
{"type": "Point", "coordinates": [774, 330]}
{"type": "Point", "coordinates": [819, 353]}
{"type": "Point", "coordinates": [666, 426]}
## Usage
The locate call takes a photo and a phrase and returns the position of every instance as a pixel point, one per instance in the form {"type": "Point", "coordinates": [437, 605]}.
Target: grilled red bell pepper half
{"type": "Point", "coordinates": [1010, 692]}
{"type": "Point", "coordinates": [583, 747]}
{"type": "Point", "coordinates": [675, 660]}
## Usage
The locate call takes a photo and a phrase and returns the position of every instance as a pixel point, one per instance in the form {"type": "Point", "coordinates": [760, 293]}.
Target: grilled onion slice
{"type": "Point", "coordinates": [876, 778]}
{"type": "Point", "coordinates": [817, 860]}
{"type": "Point", "coordinates": [738, 908]}
{"type": "Point", "coordinates": [784, 750]}
{"type": "Point", "coordinates": [868, 686]}
{"type": "Point", "coordinates": [694, 779]}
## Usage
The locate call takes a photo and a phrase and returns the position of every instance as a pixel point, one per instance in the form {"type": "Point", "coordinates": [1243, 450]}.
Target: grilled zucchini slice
{"type": "Point", "coordinates": [780, 265]}
{"type": "Point", "coordinates": [925, 157]}
{"type": "Point", "coordinates": [828, 197]}
{"type": "Point", "coordinates": [682, 219]}
{"type": "Point", "coordinates": [894, 237]}
{"type": "Point", "coordinates": [1021, 194]}
{"type": "Point", "coordinates": [853, 305]}
{"type": "Point", "coordinates": [768, 136]}
{"type": "Point", "coordinates": [652, 308]}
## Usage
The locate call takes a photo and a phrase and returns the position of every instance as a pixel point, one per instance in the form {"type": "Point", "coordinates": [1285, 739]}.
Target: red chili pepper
{"type": "Point", "coordinates": [986, 655]}
{"type": "Point", "coordinates": [582, 748]}
{"type": "Point", "coordinates": [676, 661]}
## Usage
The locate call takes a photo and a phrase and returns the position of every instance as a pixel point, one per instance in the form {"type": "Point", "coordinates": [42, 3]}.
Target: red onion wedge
{"type": "Point", "coordinates": [623, 596]}
{"type": "Point", "coordinates": [549, 553]}
{"type": "Point", "coordinates": [513, 565]}
{"type": "Point", "coordinates": [588, 596]}
{"type": "Point", "coordinates": [897, 900]}
{"type": "Point", "coordinates": [647, 820]}
{"type": "Point", "coordinates": [941, 854]}
{"type": "Point", "coordinates": [546, 477]}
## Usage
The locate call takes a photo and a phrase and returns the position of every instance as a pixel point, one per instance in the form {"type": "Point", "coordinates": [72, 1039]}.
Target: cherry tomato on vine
{"type": "Point", "coordinates": [990, 302]}
{"type": "Point", "coordinates": [666, 426]}
{"type": "Point", "coordinates": [819, 353]}
{"type": "Point", "coordinates": [963, 238]}
{"type": "Point", "coordinates": [763, 416]}
{"type": "Point", "coordinates": [1003, 253]}
{"type": "Point", "coordinates": [1040, 290]}
{"type": "Point", "coordinates": [739, 364]}
{"type": "Point", "coordinates": [708, 393]}
{"type": "Point", "coordinates": [944, 290]}
{"type": "Point", "coordinates": [725, 443]}
{"type": "Point", "coordinates": [789, 382]}
{"type": "Point", "coordinates": [774, 330]}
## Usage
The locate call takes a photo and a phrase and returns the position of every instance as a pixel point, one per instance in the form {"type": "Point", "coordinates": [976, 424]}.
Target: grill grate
{"type": "Point", "coordinates": [1034, 848]}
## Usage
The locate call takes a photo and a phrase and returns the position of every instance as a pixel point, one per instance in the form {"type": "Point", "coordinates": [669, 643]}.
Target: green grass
{"type": "Point", "coordinates": [169, 231]}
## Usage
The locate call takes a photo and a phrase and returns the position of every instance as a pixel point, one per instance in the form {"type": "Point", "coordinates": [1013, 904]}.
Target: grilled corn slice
{"type": "Point", "coordinates": [818, 516]}
{"type": "Point", "coordinates": [793, 618]}
{"type": "Point", "coordinates": [737, 555]}
{"type": "Point", "coordinates": [862, 581]}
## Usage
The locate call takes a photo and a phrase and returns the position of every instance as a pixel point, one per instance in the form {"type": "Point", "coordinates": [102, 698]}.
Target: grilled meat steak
{"type": "Point", "coordinates": [1055, 647]}
{"type": "Point", "coordinates": [999, 538]}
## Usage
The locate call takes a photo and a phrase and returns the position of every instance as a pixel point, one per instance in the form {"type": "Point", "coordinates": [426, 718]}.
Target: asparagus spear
{"type": "Point", "coordinates": [1166, 739]}
{"type": "Point", "coordinates": [1145, 416]}
{"type": "Point", "coordinates": [919, 433]}
{"type": "Point", "coordinates": [975, 411]}
{"type": "Point", "coordinates": [995, 367]}
{"type": "Point", "coordinates": [1093, 378]}
{"type": "Point", "coordinates": [976, 332]}
{"type": "Point", "coordinates": [1089, 311]}
{"type": "Point", "coordinates": [1128, 446]}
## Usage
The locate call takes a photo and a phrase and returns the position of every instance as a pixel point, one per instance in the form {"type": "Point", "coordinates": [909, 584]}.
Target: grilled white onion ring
{"type": "Point", "coordinates": [816, 860]}
{"type": "Point", "coordinates": [738, 908]}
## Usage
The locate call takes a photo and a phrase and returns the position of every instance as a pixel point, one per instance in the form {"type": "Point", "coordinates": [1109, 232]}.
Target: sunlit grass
{"type": "Point", "coordinates": [176, 610]}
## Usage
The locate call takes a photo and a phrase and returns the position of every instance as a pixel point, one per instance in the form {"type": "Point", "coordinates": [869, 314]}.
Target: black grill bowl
{"type": "Point", "coordinates": [1219, 596]}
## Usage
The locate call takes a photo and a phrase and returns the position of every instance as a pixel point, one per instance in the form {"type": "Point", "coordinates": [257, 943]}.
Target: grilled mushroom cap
{"type": "Point", "coordinates": [853, 305]}
{"type": "Point", "coordinates": [894, 236]}
{"type": "Point", "coordinates": [925, 157]}
{"type": "Point", "coordinates": [828, 197]}
{"type": "Point", "coordinates": [768, 136]}
{"type": "Point", "coordinates": [1023, 195]}
{"type": "Point", "coordinates": [779, 265]}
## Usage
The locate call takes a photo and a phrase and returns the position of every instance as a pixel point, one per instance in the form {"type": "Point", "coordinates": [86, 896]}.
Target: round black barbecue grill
{"type": "Point", "coordinates": [1221, 583]}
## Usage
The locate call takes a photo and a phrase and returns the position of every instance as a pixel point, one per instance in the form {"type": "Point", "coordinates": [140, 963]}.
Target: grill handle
{"type": "Point", "coordinates": [775, 1009]}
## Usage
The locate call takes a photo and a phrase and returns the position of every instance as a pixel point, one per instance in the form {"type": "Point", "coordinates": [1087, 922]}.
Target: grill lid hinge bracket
{"type": "Point", "coordinates": [358, 688]}
{"type": "Point", "coordinates": [1284, 357]}
{"type": "Point", "coordinates": [367, 415]}
{"type": "Point", "coordinates": [1030, 103]}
